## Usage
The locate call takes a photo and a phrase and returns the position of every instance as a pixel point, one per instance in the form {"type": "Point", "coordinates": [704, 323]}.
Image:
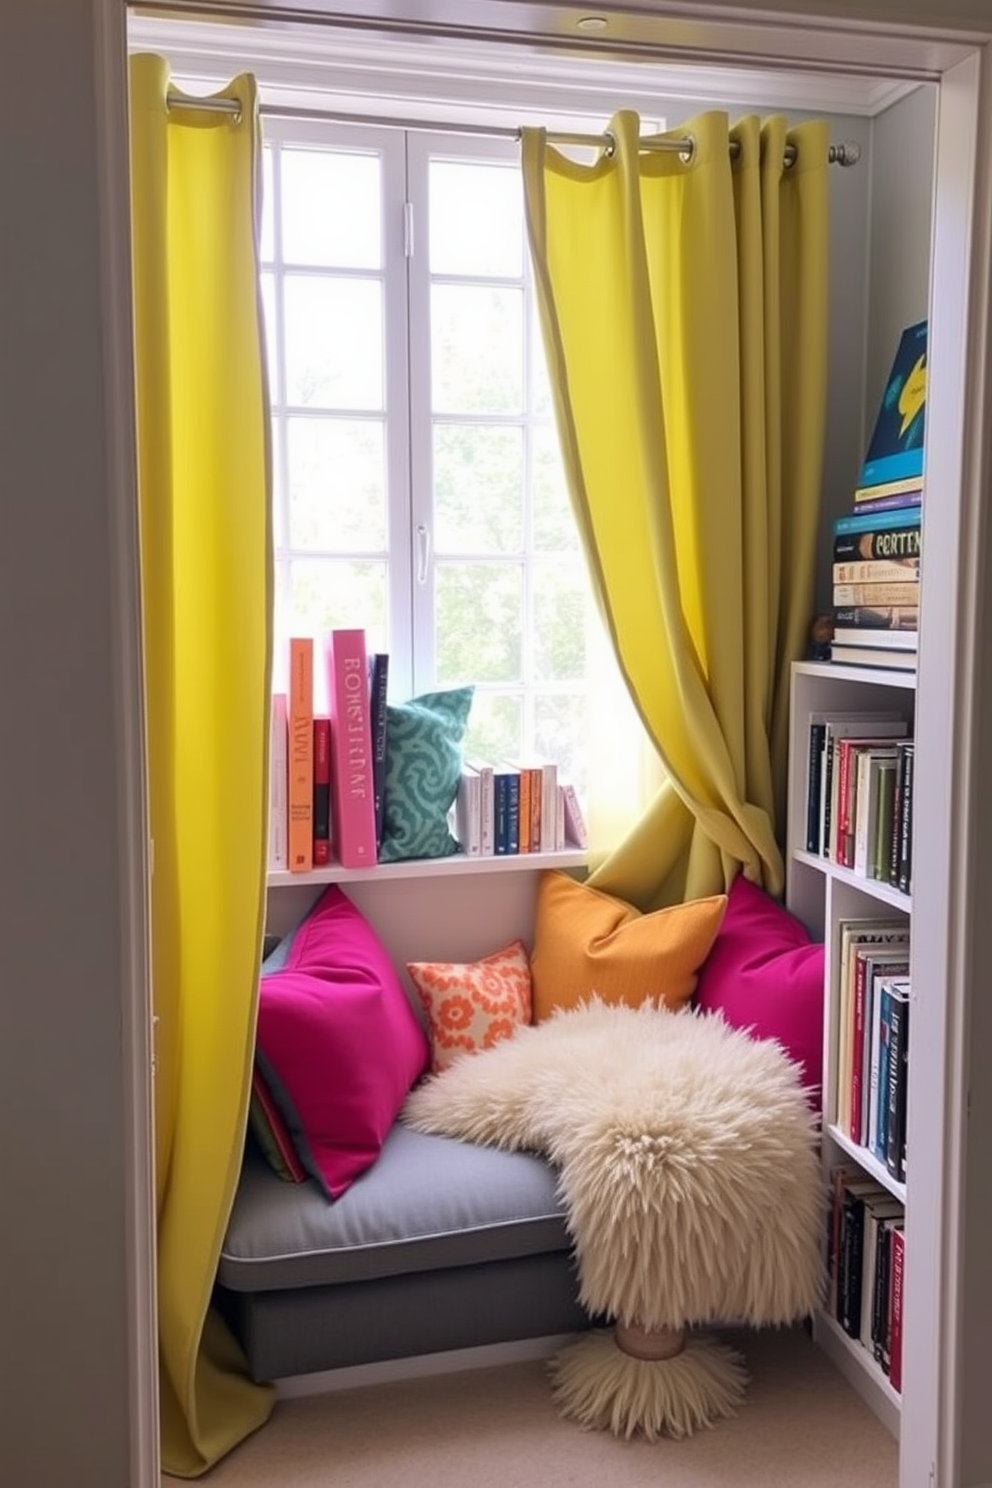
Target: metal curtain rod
{"type": "Point", "coordinates": [848, 153]}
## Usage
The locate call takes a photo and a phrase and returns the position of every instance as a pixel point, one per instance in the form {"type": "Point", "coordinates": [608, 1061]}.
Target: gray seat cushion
{"type": "Point", "coordinates": [427, 1203]}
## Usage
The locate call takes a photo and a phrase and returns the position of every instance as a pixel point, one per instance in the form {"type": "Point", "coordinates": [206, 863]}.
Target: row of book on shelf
{"type": "Point", "coordinates": [874, 996]}
{"type": "Point", "coordinates": [866, 1260]}
{"type": "Point", "coordinates": [327, 771]}
{"type": "Point", "coordinates": [859, 793]}
{"type": "Point", "coordinates": [509, 808]}
{"type": "Point", "coordinates": [877, 545]}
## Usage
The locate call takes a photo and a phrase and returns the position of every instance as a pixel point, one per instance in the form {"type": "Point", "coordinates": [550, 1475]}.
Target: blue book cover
{"type": "Point", "coordinates": [501, 812]}
{"type": "Point", "coordinates": [878, 521]}
{"type": "Point", "coordinates": [882, 1090]}
{"type": "Point", "coordinates": [378, 664]}
{"type": "Point", "coordinates": [895, 450]}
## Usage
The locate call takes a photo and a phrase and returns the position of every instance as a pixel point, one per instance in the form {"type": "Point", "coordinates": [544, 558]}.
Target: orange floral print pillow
{"type": "Point", "coordinates": [472, 1005]}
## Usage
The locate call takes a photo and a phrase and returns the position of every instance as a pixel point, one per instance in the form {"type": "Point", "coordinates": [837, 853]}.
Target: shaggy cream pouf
{"type": "Point", "coordinates": [688, 1167]}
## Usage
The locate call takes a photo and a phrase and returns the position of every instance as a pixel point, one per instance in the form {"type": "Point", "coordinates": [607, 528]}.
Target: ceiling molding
{"type": "Point", "coordinates": [490, 79]}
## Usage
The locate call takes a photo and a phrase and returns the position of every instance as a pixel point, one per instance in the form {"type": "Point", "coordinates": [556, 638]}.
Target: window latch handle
{"type": "Point", "coordinates": [423, 552]}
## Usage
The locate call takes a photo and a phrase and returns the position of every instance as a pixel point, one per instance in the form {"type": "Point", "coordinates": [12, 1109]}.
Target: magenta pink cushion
{"type": "Point", "coordinates": [764, 974]}
{"type": "Point", "coordinates": [338, 1041]}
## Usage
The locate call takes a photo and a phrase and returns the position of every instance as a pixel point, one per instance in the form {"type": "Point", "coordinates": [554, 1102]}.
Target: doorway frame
{"type": "Point", "coordinates": [944, 1440]}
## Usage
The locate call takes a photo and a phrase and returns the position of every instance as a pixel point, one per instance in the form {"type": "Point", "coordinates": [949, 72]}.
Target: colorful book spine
{"type": "Point", "coordinates": [903, 592]}
{"type": "Point", "coordinates": [278, 853]}
{"type": "Point", "coordinates": [862, 655]}
{"type": "Point", "coordinates": [878, 866]}
{"type": "Point", "coordinates": [378, 691]}
{"type": "Point", "coordinates": [529, 781]}
{"type": "Point", "coordinates": [352, 782]}
{"type": "Point", "coordinates": [851, 1260]}
{"type": "Point", "coordinates": [876, 571]}
{"type": "Point", "coordinates": [896, 501]}
{"type": "Point", "coordinates": [300, 773]}
{"type": "Point", "coordinates": [877, 1138]}
{"type": "Point", "coordinates": [486, 807]}
{"type": "Point", "coordinates": [501, 829]}
{"type": "Point", "coordinates": [897, 1268]}
{"type": "Point", "coordinates": [875, 538]}
{"type": "Point", "coordinates": [575, 822]}
{"type": "Point", "coordinates": [880, 1321]}
{"type": "Point", "coordinates": [857, 1046]}
{"type": "Point", "coordinates": [904, 850]}
{"type": "Point", "coordinates": [877, 617]}
{"type": "Point", "coordinates": [898, 1071]}
{"type": "Point", "coordinates": [857, 522]}
{"type": "Point", "coordinates": [512, 810]}
{"type": "Point", "coordinates": [550, 840]}
{"type": "Point", "coordinates": [321, 792]}
{"type": "Point", "coordinates": [908, 485]}
{"type": "Point", "coordinates": [468, 812]}
{"type": "Point", "coordinates": [814, 766]}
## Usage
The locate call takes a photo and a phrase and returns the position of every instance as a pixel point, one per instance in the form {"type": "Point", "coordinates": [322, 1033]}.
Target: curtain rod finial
{"type": "Point", "coordinates": [848, 153]}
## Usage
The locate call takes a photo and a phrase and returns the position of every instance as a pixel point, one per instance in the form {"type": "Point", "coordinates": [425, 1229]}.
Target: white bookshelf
{"type": "Point", "coordinates": [821, 893]}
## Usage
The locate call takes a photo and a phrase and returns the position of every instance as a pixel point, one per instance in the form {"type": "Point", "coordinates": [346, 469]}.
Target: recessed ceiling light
{"type": "Point", "coordinates": [592, 23]}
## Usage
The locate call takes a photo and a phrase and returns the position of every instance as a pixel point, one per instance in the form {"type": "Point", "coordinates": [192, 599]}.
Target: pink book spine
{"type": "Point", "coordinates": [352, 784]}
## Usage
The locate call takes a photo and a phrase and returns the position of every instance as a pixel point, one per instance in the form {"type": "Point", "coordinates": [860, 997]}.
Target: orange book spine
{"type": "Point", "coordinates": [525, 844]}
{"type": "Point", "coordinates": [300, 774]}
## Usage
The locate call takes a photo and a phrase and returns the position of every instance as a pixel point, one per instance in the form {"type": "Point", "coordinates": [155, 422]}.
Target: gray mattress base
{"type": "Point", "coordinates": [310, 1329]}
{"type": "Point", "coordinates": [438, 1245]}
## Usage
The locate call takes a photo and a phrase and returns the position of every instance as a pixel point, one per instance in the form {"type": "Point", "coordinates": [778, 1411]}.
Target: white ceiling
{"type": "Point", "coordinates": [528, 79]}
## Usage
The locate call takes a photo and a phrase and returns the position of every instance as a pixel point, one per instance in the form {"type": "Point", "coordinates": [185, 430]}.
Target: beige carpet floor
{"type": "Point", "coordinates": [802, 1426]}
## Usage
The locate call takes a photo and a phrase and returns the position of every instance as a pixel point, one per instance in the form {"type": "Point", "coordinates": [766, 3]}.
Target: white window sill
{"type": "Point", "coordinates": [455, 865]}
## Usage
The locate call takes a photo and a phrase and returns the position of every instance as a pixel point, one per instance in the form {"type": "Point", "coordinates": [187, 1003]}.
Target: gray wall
{"type": "Point", "coordinates": [881, 212]}
{"type": "Point", "coordinates": [66, 1360]}
{"type": "Point", "coordinates": [901, 221]}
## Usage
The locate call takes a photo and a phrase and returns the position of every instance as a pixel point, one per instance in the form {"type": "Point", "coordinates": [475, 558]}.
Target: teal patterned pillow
{"type": "Point", "coordinates": [423, 766]}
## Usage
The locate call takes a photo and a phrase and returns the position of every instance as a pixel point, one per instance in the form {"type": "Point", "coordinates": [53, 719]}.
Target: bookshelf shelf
{"type": "Point", "coordinates": [883, 892]}
{"type": "Point", "coordinates": [868, 1161]}
{"type": "Point", "coordinates": [455, 866]}
{"type": "Point", "coordinates": [824, 894]}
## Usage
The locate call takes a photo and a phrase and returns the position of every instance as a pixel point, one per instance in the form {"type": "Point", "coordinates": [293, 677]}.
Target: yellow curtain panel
{"type": "Point", "coordinates": [206, 581]}
{"type": "Point", "coordinates": [684, 309]}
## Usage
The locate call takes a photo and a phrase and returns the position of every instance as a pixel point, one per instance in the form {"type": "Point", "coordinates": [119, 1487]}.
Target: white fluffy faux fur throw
{"type": "Point", "coordinates": [686, 1153]}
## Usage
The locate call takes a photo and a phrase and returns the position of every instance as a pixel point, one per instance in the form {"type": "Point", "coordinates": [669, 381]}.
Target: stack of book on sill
{"type": "Point", "coordinates": [508, 808]}
{"type": "Point", "coordinates": [877, 545]}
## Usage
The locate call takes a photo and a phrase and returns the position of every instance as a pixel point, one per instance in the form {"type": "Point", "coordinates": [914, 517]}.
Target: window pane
{"type": "Point", "coordinates": [267, 248]}
{"type": "Point", "coordinates": [335, 592]}
{"type": "Point", "coordinates": [331, 209]}
{"type": "Point", "coordinates": [476, 216]}
{"type": "Point", "coordinates": [495, 727]}
{"type": "Point", "coordinates": [337, 484]}
{"type": "Point", "coordinates": [555, 529]}
{"type": "Point", "coordinates": [478, 622]}
{"type": "Point", "coordinates": [476, 349]}
{"type": "Point", "coordinates": [540, 388]}
{"type": "Point", "coordinates": [268, 291]}
{"type": "Point", "coordinates": [334, 352]}
{"type": "Point", "coordinates": [478, 489]}
{"type": "Point", "coordinates": [560, 734]}
{"type": "Point", "coordinates": [560, 608]}
{"type": "Point", "coordinates": [278, 504]}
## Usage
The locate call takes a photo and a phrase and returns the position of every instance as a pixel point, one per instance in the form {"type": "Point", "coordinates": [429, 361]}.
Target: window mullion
{"type": "Point", "coordinates": [421, 417]}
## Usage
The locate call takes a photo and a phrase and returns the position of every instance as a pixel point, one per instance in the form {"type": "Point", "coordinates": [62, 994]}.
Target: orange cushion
{"type": "Point", "coordinates": [472, 1005]}
{"type": "Point", "coordinates": [589, 942]}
